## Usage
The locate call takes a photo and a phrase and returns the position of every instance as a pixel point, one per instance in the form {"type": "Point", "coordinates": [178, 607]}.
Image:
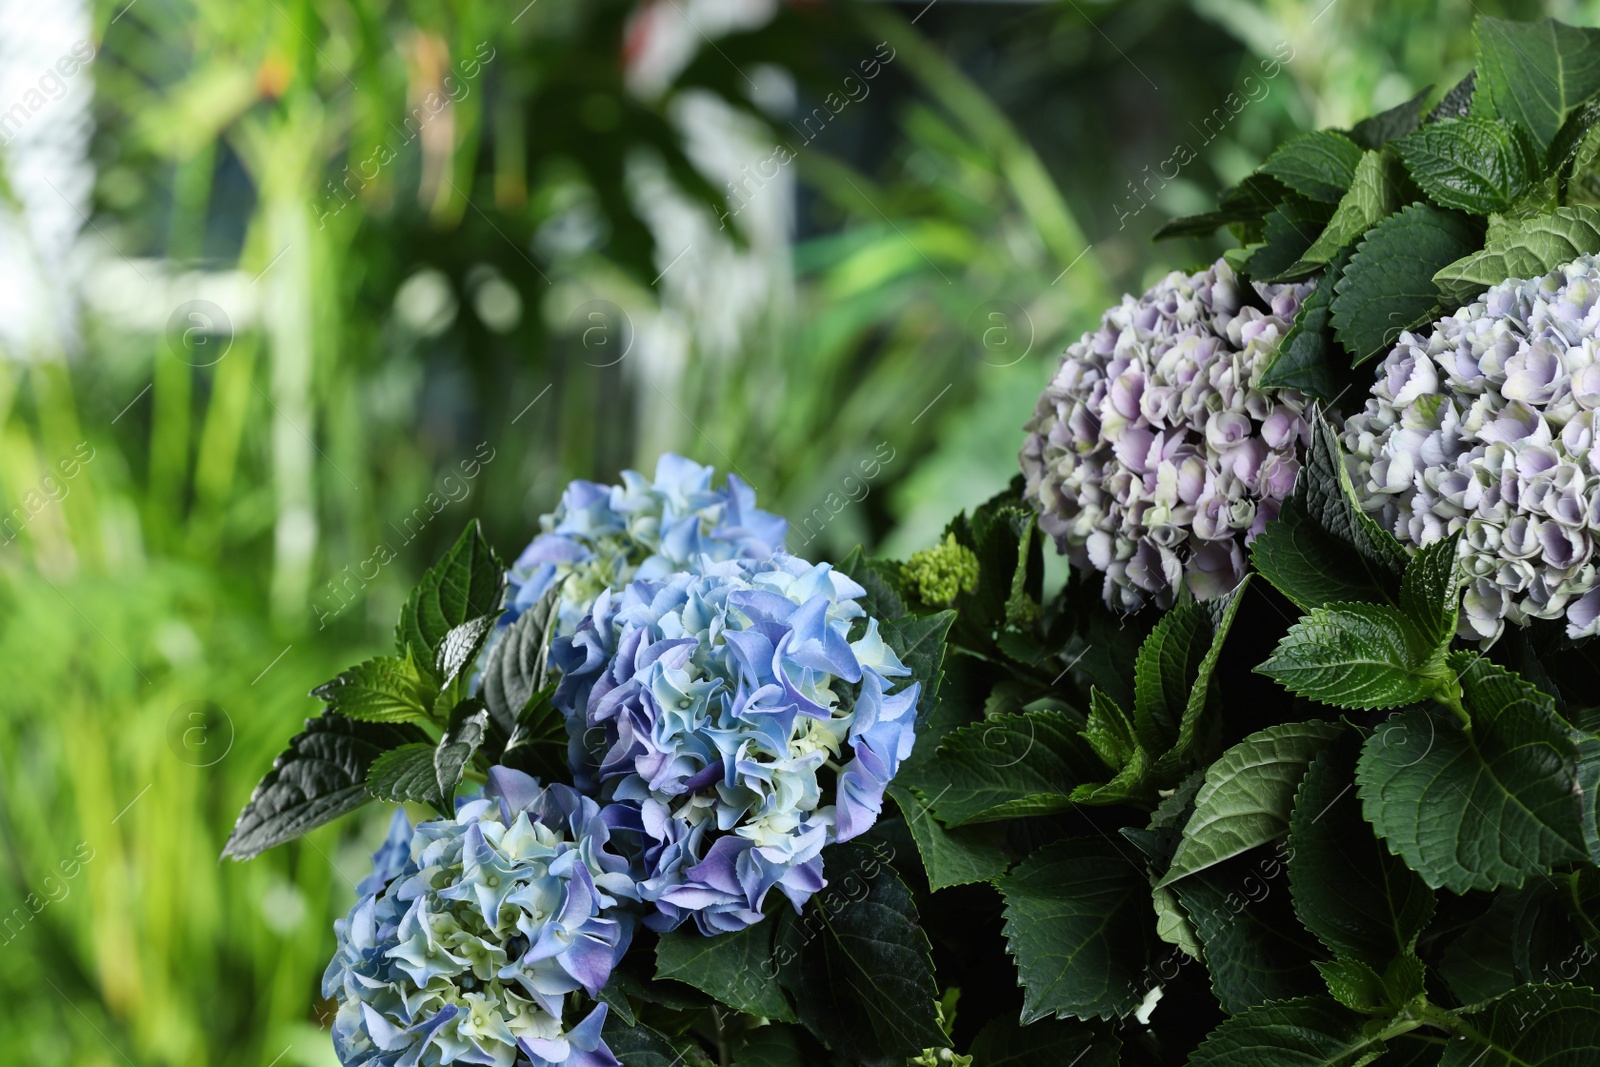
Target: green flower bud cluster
{"type": "Point", "coordinates": [940, 572]}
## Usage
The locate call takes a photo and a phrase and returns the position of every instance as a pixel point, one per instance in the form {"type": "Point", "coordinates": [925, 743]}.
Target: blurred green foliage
{"type": "Point", "coordinates": [163, 614]}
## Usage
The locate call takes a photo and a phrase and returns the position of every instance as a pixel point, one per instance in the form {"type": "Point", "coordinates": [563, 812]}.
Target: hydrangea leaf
{"type": "Point", "coordinates": [459, 650]}
{"type": "Point", "coordinates": [1353, 984]}
{"type": "Point", "coordinates": [737, 968]}
{"type": "Point", "coordinates": [1429, 592]}
{"type": "Point", "coordinates": [919, 642]}
{"type": "Point", "coordinates": [381, 689]}
{"type": "Point", "coordinates": [1173, 924]}
{"type": "Point", "coordinates": [1376, 192]}
{"type": "Point", "coordinates": [1535, 73]}
{"type": "Point", "coordinates": [1247, 795]}
{"type": "Point", "coordinates": [1291, 229]}
{"type": "Point", "coordinates": [1077, 922]}
{"type": "Point", "coordinates": [1352, 893]}
{"type": "Point", "coordinates": [1479, 809]}
{"type": "Point", "coordinates": [1473, 164]}
{"type": "Point", "coordinates": [518, 665]}
{"type": "Point", "coordinates": [465, 584]}
{"type": "Point", "coordinates": [640, 1045]}
{"type": "Point", "coordinates": [469, 721]}
{"type": "Point", "coordinates": [406, 774]}
{"type": "Point", "coordinates": [1378, 130]}
{"type": "Point", "coordinates": [880, 578]}
{"type": "Point", "coordinates": [1003, 1042]}
{"type": "Point", "coordinates": [1522, 248]}
{"type": "Point", "coordinates": [1305, 1032]}
{"type": "Point", "coordinates": [1457, 101]}
{"type": "Point", "coordinates": [858, 966]}
{"type": "Point", "coordinates": [1253, 948]}
{"type": "Point", "coordinates": [961, 855]}
{"type": "Point", "coordinates": [778, 1045]}
{"type": "Point", "coordinates": [1202, 706]}
{"type": "Point", "coordinates": [1388, 286]}
{"type": "Point", "coordinates": [1248, 202]}
{"type": "Point", "coordinates": [1164, 674]}
{"type": "Point", "coordinates": [1304, 360]}
{"type": "Point", "coordinates": [1318, 165]}
{"type": "Point", "coordinates": [319, 777]}
{"type": "Point", "coordinates": [1533, 934]}
{"type": "Point", "coordinates": [1008, 766]}
{"type": "Point", "coordinates": [1358, 656]}
{"type": "Point", "coordinates": [1531, 1026]}
{"type": "Point", "coordinates": [1322, 548]}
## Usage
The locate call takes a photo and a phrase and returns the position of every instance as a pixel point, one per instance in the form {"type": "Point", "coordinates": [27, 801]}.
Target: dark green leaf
{"type": "Point", "coordinates": [1164, 674]}
{"type": "Point", "coordinates": [1522, 248]}
{"type": "Point", "coordinates": [1047, 1043]}
{"type": "Point", "coordinates": [737, 969]}
{"type": "Point", "coordinates": [1309, 1032]}
{"type": "Point", "coordinates": [1357, 656]}
{"type": "Point", "coordinates": [465, 584]}
{"type": "Point", "coordinates": [883, 599]}
{"type": "Point", "coordinates": [961, 855]}
{"type": "Point", "coordinates": [779, 1045]}
{"type": "Point", "coordinates": [1323, 549]}
{"type": "Point", "coordinates": [518, 665]}
{"type": "Point", "coordinates": [1535, 73]}
{"type": "Point", "coordinates": [1248, 794]}
{"type": "Point", "coordinates": [321, 776]}
{"type": "Point", "coordinates": [1304, 360]}
{"type": "Point", "coordinates": [1385, 126]}
{"type": "Point", "coordinates": [1532, 1026]}
{"type": "Point", "coordinates": [1457, 102]}
{"type": "Point", "coordinates": [1430, 591]}
{"type": "Point", "coordinates": [382, 689]}
{"type": "Point", "coordinates": [1008, 766]}
{"type": "Point", "coordinates": [1476, 165]}
{"type": "Point", "coordinates": [1388, 286]}
{"type": "Point", "coordinates": [462, 735]}
{"type": "Point", "coordinates": [1077, 920]}
{"type": "Point", "coordinates": [643, 1046]}
{"type": "Point", "coordinates": [919, 642]}
{"type": "Point", "coordinates": [1247, 202]}
{"type": "Point", "coordinates": [1291, 229]}
{"type": "Point", "coordinates": [1318, 165]}
{"type": "Point", "coordinates": [406, 774]}
{"type": "Point", "coordinates": [1377, 192]}
{"type": "Point", "coordinates": [1358, 899]}
{"type": "Point", "coordinates": [1479, 810]}
{"type": "Point", "coordinates": [858, 965]}
{"type": "Point", "coordinates": [1354, 984]}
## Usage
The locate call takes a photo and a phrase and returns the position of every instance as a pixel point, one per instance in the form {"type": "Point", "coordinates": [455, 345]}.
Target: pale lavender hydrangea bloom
{"type": "Point", "coordinates": [1154, 454]}
{"type": "Point", "coordinates": [1485, 423]}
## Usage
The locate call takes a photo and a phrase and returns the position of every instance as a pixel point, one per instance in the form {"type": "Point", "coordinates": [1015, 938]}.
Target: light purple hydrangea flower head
{"type": "Point", "coordinates": [1154, 454]}
{"type": "Point", "coordinates": [604, 536]}
{"type": "Point", "coordinates": [1485, 422]}
{"type": "Point", "coordinates": [470, 933]}
{"type": "Point", "coordinates": [735, 722]}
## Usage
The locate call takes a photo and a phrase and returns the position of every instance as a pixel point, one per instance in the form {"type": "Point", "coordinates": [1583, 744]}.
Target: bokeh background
{"type": "Point", "coordinates": [290, 291]}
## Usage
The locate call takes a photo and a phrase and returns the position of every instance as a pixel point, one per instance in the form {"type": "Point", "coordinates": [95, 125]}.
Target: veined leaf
{"type": "Point", "coordinates": [1304, 360]}
{"type": "Point", "coordinates": [1322, 549]}
{"type": "Point", "coordinates": [382, 689]}
{"type": "Point", "coordinates": [465, 584]}
{"type": "Point", "coordinates": [462, 735]}
{"type": "Point", "coordinates": [518, 665]}
{"type": "Point", "coordinates": [1352, 893]}
{"type": "Point", "coordinates": [1474, 164]}
{"type": "Point", "coordinates": [1047, 1043]}
{"type": "Point", "coordinates": [1358, 656]}
{"type": "Point", "coordinates": [321, 776]}
{"type": "Point", "coordinates": [1376, 192]}
{"type": "Point", "coordinates": [1247, 795]}
{"type": "Point", "coordinates": [1318, 165]}
{"type": "Point", "coordinates": [1522, 248]}
{"type": "Point", "coordinates": [1077, 922]}
{"type": "Point", "coordinates": [961, 855]}
{"type": "Point", "coordinates": [859, 967]}
{"type": "Point", "coordinates": [1388, 286]}
{"type": "Point", "coordinates": [1430, 591]}
{"type": "Point", "coordinates": [1253, 948]}
{"type": "Point", "coordinates": [1479, 810]}
{"type": "Point", "coordinates": [1308, 1032]}
{"type": "Point", "coordinates": [1008, 766]}
{"type": "Point", "coordinates": [406, 774]}
{"type": "Point", "coordinates": [1291, 229]}
{"type": "Point", "coordinates": [738, 969]}
{"type": "Point", "coordinates": [1378, 130]}
{"type": "Point", "coordinates": [1531, 1026]}
{"type": "Point", "coordinates": [1535, 74]}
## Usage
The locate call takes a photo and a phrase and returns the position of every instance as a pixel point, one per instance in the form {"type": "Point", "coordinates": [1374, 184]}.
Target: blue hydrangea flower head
{"type": "Point", "coordinates": [734, 722]}
{"type": "Point", "coordinates": [470, 932]}
{"type": "Point", "coordinates": [604, 536]}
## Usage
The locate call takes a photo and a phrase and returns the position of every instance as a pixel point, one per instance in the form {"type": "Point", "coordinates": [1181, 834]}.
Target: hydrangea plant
{"type": "Point", "coordinates": [470, 933]}
{"type": "Point", "coordinates": [1485, 423]}
{"type": "Point", "coordinates": [1154, 454]}
{"type": "Point", "coordinates": [603, 536]}
{"type": "Point", "coordinates": [735, 721]}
